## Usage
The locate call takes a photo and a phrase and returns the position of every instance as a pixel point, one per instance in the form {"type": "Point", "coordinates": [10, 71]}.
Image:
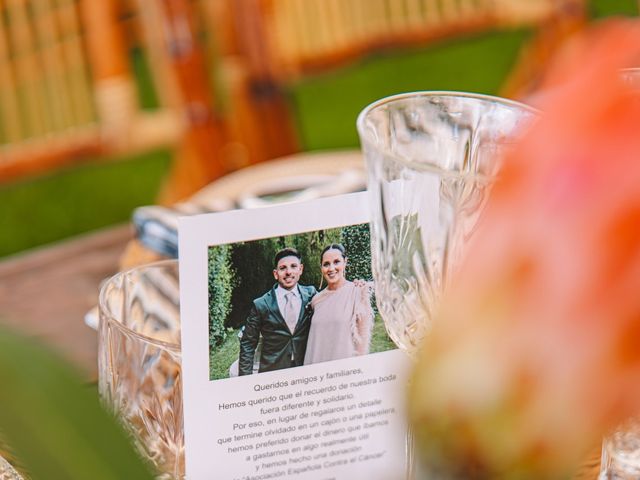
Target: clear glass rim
{"type": "Point", "coordinates": [104, 310]}
{"type": "Point", "coordinates": [365, 137]}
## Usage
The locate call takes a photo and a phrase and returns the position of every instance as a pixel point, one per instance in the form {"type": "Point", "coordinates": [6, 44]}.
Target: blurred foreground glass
{"type": "Point", "coordinates": [431, 160]}
{"type": "Point", "coordinates": [621, 449]}
{"type": "Point", "coordinates": [621, 453]}
{"type": "Point", "coordinates": [139, 361]}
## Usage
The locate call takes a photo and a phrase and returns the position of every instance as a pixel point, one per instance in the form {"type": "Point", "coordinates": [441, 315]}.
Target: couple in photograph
{"type": "Point", "coordinates": [301, 326]}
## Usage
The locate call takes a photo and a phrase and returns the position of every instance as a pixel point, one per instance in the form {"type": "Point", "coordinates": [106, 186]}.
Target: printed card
{"type": "Point", "coordinates": [287, 368]}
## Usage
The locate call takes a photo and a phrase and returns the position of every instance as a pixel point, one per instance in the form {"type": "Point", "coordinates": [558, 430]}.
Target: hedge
{"type": "Point", "coordinates": [357, 243]}
{"type": "Point", "coordinates": [222, 281]}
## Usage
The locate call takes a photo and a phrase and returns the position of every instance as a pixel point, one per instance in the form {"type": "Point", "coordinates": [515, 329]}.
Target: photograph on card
{"type": "Point", "coordinates": [293, 300]}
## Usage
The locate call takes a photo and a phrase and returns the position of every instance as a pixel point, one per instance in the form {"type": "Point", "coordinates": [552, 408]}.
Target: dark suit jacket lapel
{"type": "Point", "coordinates": [304, 299]}
{"type": "Point", "coordinates": [272, 305]}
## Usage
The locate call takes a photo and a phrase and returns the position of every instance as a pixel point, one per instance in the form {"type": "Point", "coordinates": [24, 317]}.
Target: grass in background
{"type": "Point", "coordinates": [328, 105]}
{"type": "Point", "coordinates": [604, 8]}
{"type": "Point", "coordinates": [76, 200]}
{"type": "Point", "coordinates": [380, 341]}
{"type": "Point", "coordinates": [222, 357]}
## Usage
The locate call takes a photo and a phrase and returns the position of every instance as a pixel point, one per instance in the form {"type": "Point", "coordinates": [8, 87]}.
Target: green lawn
{"type": "Point", "coordinates": [222, 357]}
{"type": "Point", "coordinates": [328, 105]}
{"type": "Point", "coordinates": [76, 200]}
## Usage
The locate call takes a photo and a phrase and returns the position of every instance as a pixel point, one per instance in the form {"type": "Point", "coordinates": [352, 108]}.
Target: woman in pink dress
{"type": "Point", "coordinates": [342, 315]}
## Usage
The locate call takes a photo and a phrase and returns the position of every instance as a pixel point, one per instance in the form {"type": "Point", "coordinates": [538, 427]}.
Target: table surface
{"type": "Point", "coordinates": [46, 293]}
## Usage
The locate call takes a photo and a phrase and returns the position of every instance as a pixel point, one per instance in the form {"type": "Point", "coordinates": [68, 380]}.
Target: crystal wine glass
{"type": "Point", "coordinates": [432, 158]}
{"type": "Point", "coordinates": [140, 361]}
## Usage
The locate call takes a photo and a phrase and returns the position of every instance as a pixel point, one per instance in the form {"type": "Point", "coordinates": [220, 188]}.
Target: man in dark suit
{"type": "Point", "coordinates": [282, 316]}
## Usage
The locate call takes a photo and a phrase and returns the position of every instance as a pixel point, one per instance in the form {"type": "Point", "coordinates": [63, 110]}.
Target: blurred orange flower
{"type": "Point", "coordinates": [536, 349]}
